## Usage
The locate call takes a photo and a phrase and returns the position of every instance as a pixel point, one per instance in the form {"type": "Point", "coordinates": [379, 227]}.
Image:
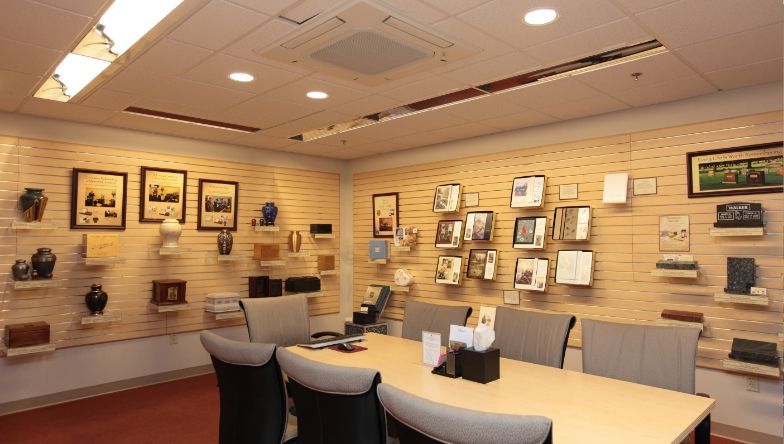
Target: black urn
{"type": "Point", "coordinates": [96, 300]}
{"type": "Point", "coordinates": [43, 263]}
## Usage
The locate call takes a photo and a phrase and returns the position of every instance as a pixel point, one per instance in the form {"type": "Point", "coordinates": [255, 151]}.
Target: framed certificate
{"type": "Point", "coordinates": [217, 205]}
{"type": "Point", "coordinates": [162, 194]}
{"type": "Point", "coordinates": [98, 199]}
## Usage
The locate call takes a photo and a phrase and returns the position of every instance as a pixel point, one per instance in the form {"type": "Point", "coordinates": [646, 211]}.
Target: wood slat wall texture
{"type": "Point", "coordinates": [303, 197]}
{"type": "Point", "coordinates": [624, 237]}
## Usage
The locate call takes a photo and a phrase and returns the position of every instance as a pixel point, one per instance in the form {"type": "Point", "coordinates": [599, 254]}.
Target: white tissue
{"type": "Point", "coordinates": [483, 337]}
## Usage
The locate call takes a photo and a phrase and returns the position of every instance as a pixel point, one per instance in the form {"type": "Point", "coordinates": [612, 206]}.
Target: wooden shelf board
{"type": "Point", "coordinates": [405, 249]}
{"type": "Point", "coordinates": [231, 258]}
{"type": "Point", "coordinates": [739, 231]}
{"type": "Point", "coordinates": [741, 299]}
{"type": "Point", "coordinates": [173, 251]}
{"type": "Point", "coordinates": [400, 289]}
{"type": "Point", "coordinates": [749, 367]}
{"type": "Point", "coordinates": [22, 225]}
{"type": "Point", "coordinates": [98, 261]}
{"type": "Point", "coordinates": [102, 319]}
{"type": "Point", "coordinates": [328, 272]}
{"type": "Point", "coordinates": [299, 254]}
{"type": "Point", "coordinates": [265, 228]}
{"type": "Point", "coordinates": [324, 236]}
{"type": "Point", "coordinates": [667, 272]}
{"type": "Point", "coordinates": [676, 323]}
{"type": "Point", "coordinates": [33, 349]}
{"type": "Point", "coordinates": [378, 261]}
{"type": "Point", "coordinates": [168, 308]}
{"type": "Point", "coordinates": [35, 283]}
{"type": "Point", "coordinates": [236, 314]}
{"type": "Point", "coordinates": [278, 263]}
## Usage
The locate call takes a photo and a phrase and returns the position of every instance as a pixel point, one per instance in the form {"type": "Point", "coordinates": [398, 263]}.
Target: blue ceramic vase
{"type": "Point", "coordinates": [269, 212]}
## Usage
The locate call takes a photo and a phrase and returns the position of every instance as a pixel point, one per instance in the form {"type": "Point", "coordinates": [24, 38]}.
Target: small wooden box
{"type": "Point", "coordinates": [325, 262]}
{"type": "Point", "coordinates": [168, 292]}
{"type": "Point", "coordinates": [266, 252]}
{"type": "Point", "coordinates": [101, 245]}
{"type": "Point", "coordinates": [25, 335]}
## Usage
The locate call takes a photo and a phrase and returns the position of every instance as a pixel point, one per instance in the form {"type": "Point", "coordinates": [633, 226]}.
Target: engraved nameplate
{"type": "Point", "coordinates": [739, 214]}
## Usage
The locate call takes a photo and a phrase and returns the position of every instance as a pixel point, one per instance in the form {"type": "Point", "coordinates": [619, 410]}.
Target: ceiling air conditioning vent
{"type": "Point", "coordinates": [363, 43]}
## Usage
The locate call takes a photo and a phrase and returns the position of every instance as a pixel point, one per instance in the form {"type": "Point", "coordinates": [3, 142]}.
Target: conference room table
{"type": "Point", "coordinates": [584, 408]}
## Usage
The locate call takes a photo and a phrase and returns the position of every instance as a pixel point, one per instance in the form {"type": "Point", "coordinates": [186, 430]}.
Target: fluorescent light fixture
{"type": "Point", "coordinates": [241, 77]}
{"type": "Point", "coordinates": [72, 74]}
{"type": "Point", "coordinates": [317, 95]}
{"type": "Point", "coordinates": [181, 118]}
{"type": "Point", "coordinates": [540, 16]}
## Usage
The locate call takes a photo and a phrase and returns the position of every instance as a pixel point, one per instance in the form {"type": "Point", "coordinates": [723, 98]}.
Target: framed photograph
{"type": "Point", "coordinates": [567, 191]}
{"type": "Point", "coordinates": [405, 236]}
{"type": "Point", "coordinates": [531, 274]}
{"type": "Point", "coordinates": [449, 269]}
{"type": "Point", "coordinates": [644, 186]}
{"type": "Point", "coordinates": [742, 170]}
{"type": "Point", "coordinates": [162, 195]}
{"type": "Point", "coordinates": [512, 297]}
{"type": "Point", "coordinates": [217, 205]}
{"type": "Point", "coordinates": [572, 223]}
{"type": "Point", "coordinates": [479, 226]}
{"type": "Point", "coordinates": [674, 233]}
{"type": "Point", "coordinates": [471, 199]}
{"type": "Point", "coordinates": [574, 267]}
{"type": "Point", "coordinates": [447, 198]}
{"type": "Point", "coordinates": [448, 233]}
{"type": "Point", "coordinates": [487, 316]}
{"type": "Point", "coordinates": [529, 232]}
{"type": "Point", "coordinates": [385, 216]}
{"type": "Point", "coordinates": [98, 199]}
{"type": "Point", "coordinates": [481, 264]}
{"type": "Point", "coordinates": [527, 191]}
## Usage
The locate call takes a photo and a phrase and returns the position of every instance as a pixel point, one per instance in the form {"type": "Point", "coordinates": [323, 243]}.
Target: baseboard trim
{"type": "Point", "coordinates": [101, 389]}
{"type": "Point", "coordinates": [743, 435]}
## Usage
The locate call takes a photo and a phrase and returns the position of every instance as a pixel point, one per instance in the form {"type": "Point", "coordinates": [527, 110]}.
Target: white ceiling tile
{"type": "Point", "coordinates": [464, 131]}
{"type": "Point", "coordinates": [306, 10]}
{"type": "Point", "coordinates": [31, 59]}
{"type": "Point", "coordinates": [266, 112]}
{"type": "Point", "coordinates": [11, 101]}
{"type": "Point", "coordinates": [754, 74]}
{"type": "Point", "coordinates": [269, 7]}
{"type": "Point", "coordinates": [11, 82]}
{"type": "Point", "coordinates": [467, 35]}
{"type": "Point", "coordinates": [217, 24]}
{"type": "Point", "coordinates": [295, 93]}
{"type": "Point", "coordinates": [691, 21]}
{"type": "Point", "coordinates": [112, 100]}
{"type": "Point", "coordinates": [429, 87]}
{"type": "Point", "coordinates": [351, 153]}
{"type": "Point", "coordinates": [501, 67]}
{"type": "Point", "coordinates": [669, 90]}
{"type": "Point", "coordinates": [523, 119]}
{"type": "Point", "coordinates": [306, 123]}
{"type": "Point", "coordinates": [416, 10]}
{"type": "Point", "coordinates": [170, 58]}
{"type": "Point", "coordinates": [42, 25]}
{"type": "Point", "coordinates": [216, 70]}
{"type": "Point", "coordinates": [486, 107]}
{"type": "Point", "coordinates": [456, 6]}
{"type": "Point", "coordinates": [369, 104]}
{"type": "Point", "coordinates": [139, 82]}
{"type": "Point", "coordinates": [252, 45]}
{"type": "Point", "coordinates": [261, 140]}
{"type": "Point", "coordinates": [584, 107]}
{"type": "Point", "coordinates": [752, 46]}
{"type": "Point", "coordinates": [381, 146]}
{"type": "Point", "coordinates": [203, 96]}
{"type": "Point", "coordinates": [346, 140]}
{"type": "Point", "coordinates": [311, 149]}
{"type": "Point", "coordinates": [635, 6]}
{"type": "Point", "coordinates": [63, 110]}
{"type": "Point", "coordinates": [90, 8]}
{"type": "Point", "coordinates": [555, 92]}
{"type": "Point", "coordinates": [654, 70]}
{"type": "Point", "coordinates": [149, 124]}
{"type": "Point", "coordinates": [419, 139]}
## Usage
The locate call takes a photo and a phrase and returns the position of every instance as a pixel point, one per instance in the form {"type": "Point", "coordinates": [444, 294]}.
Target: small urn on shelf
{"type": "Point", "coordinates": [33, 203]}
{"type": "Point", "coordinates": [43, 263]}
{"type": "Point", "coordinates": [295, 241]}
{"type": "Point", "coordinates": [21, 270]}
{"type": "Point", "coordinates": [225, 242]}
{"type": "Point", "coordinates": [269, 212]}
{"type": "Point", "coordinates": [170, 230]}
{"type": "Point", "coordinates": [96, 300]}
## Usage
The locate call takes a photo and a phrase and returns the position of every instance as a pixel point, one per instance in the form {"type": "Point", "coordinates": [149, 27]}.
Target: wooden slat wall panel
{"type": "Point", "coordinates": [624, 237]}
{"type": "Point", "coordinates": [26, 162]}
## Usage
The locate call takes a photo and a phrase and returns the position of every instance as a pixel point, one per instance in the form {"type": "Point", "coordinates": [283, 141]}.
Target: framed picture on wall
{"type": "Point", "coordinates": [742, 170]}
{"type": "Point", "coordinates": [385, 215]}
{"type": "Point", "coordinates": [162, 194]}
{"type": "Point", "coordinates": [447, 198]}
{"type": "Point", "coordinates": [448, 233]}
{"type": "Point", "coordinates": [479, 226]}
{"type": "Point", "coordinates": [529, 232]}
{"type": "Point", "coordinates": [531, 274]}
{"type": "Point", "coordinates": [217, 206]}
{"type": "Point", "coordinates": [481, 264]}
{"type": "Point", "coordinates": [527, 192]}
{"type": "Point", "coordinates": [449, 269]}
{"type": "Point", "coordinates": [98, 199]}
{"type": "Point", "coordinates": [674, 233]}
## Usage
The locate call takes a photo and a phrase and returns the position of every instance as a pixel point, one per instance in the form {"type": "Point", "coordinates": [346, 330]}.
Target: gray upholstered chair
{"type": "Point", "coordinates": [252, 396]}
{"type": "Point", "coordinates": [421, 316]}
{"type": "Point", "coordinates": [664, 357]}
{"type": "Point", "coordinates": [532, 336]}
{"type": "Point", "coordinates": [334, 404]}
{"type": "Point", "coordinates": [421, 421]}
{"type": "Point", "coordinates": [282, 321]}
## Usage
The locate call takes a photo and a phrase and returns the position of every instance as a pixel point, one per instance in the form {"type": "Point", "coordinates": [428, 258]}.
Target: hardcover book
{"type": "Point", "coordinates": [531, 274]}
{"type": "Point", "coordinates": [481, 264]}
{"type": "Point", "coordinates": [378, 249]}
{"type": "Point", "coordinates": [572, 223]}
{"type": "Point", "coordinates": [574, 267]}
{"type": "Point", "coordinates": [375, 299]}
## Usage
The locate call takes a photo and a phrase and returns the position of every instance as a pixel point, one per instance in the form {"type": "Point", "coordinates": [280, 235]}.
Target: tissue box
{"type": "Point", "coordinates": [481, 366]}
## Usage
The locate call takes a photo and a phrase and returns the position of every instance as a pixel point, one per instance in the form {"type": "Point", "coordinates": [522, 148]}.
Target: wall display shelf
{"type": "Point", "coordinates": [112, 316]}
{"type": "Point", "coordinates": [737, 231]}
{"type": "Point", "coordinates": [168, 308]}
{"type": "Point", "coordinates": [100, 261]}
{"type": "Point", "coordinates": [33, 349]}
{"type": "Point", "coordinates": [173, 251]}
{"type": "Point", "coordinates": [35, 283]}
{"type": "Point", "coordinates": [401, 249]}
{"type": "Point", "coordinates": [399, 289]}
{"type": "Point", "coordinates": [236, 314]}
{"type": "Point", "coordinates": [299, 254]}
{"type": "Point", "coordinates": [310, 294]}
{"type": "Point", "coordinates": [666, 272]}
{"type": "Point", "coordinates": [22, 225]}
{"type": "Point", "coordinates": [750, 367]}
{"type": "Point", "coordinates": [323, 236]}
{"type": "Point", "coordinates": [264, 228]}
{"type": "Point", "coordinates": [674, 323]}
{"type": "Point", "coordinates": [232, 258]}
{"type": "Point", "coordinates": [377, 261]}
{"type": "Point", "coordinates": [277, 263]}
{"type": "Point", "coordinates": [328, 272]}
{"type": "Point", "coordinates": [741, 299]}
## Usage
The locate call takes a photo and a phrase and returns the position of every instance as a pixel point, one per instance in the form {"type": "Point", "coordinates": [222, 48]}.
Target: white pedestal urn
{"type": "Point", "coordinates": [170, 233]}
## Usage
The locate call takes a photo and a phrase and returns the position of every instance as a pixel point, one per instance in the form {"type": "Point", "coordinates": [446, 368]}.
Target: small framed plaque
{"type": "Point", "coordinates": [512, 297]}
{"type": "Point", "coordinates": [471, 199]}
{"type": "Point", "coordinates": [644, 186]}
{"type": "Point", "coordinates": [567, 191]}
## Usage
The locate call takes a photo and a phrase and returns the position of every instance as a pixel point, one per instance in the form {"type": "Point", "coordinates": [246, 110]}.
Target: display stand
{"type": "Point", "coordinates": [324, 236]}
{"type": "Point", "coordinates": [351, 328]}
{"type": "Point", "coordinates": [168, 308]}
{"type": "Point", "coordinates": [231, 258]}
{"type": "Point", "coordinates": [100, 261]}
{"type": "Point", "coordinates": [265, 228]}
{"type": "Point", "coordinates": [22, 225]}
{"type": "Point", "coordinates": [277, 263]}
{"type": "Point", "coordinates": [750, 367]}
{"type": "Point", "coordinates": [112, 316]}
{"type": "Point", "coordinates": [378, 261]}
{"type": "Point", "coordinates": [35, 283]}
{"type": "Point", "coordinates": [741, 299]}
{"type": "Point", "coordinates": [737, 231]}
{"type": "Point", "coordinates": [31, 350]}
{"type": "Point", "coordinates": [667, 272]}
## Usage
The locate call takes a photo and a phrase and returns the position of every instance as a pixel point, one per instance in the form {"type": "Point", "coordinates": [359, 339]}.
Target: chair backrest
{"type": "Point", "coordinates": [532, 336]}
{"type": "Point", "coordinates": [419, 420]}
{"type": "Point", "coordinates": [421, 316]}
{"type": "Point", "coordinates": [662, 357]}
{"type": "Point", "coordinates": [252, 394]}
{"type": "Point", "coordinates": [334, 404]}
{"type": "Point", "coordinates": [282, 321]}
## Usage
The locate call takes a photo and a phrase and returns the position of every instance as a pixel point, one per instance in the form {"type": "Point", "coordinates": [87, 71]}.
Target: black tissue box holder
{"type": "Point", "coordinates": [481, 366]}
{"type": "Point", "coordinates": [365, 318]}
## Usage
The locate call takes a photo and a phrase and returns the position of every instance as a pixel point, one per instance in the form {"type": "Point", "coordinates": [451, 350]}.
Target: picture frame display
{"type": "Point", "coordinates": [487, 316]}
{"type": "Point", "coordinates": [449, 269]}
{"type": "Point", "coordinates": [749, 169]}
{"type": "Point", "coordinates": [531, 274]}
{"type": "Point", "coordinates": [99, 199]}
{"type": "Point", "coordinates": [674, 233]}
{"type": "Point", "coordinates": [385, 214]}
{"type": "Point", "coordinates": [482, 264]}
{"type": "Point", "coordinates": [447, 198]}
{"type": "Point", "coordinates": [479, 226]}
{"type": "Point", "coordinates": [511, 297]}
{"type": "Point", "coordinates": [162, 194]}
{"type": "Point", "coordinates": [527, 192]}
{"type": "Point", "coordinates": [567, 191]}
{"type": "Point", "coordinates": [574, 267]}
{"type": "Point", "coordinates": [217, 206]}
{"type": "Point", "coordinates": [471, 199]}
{"type": "Point", "coordinates": [572, 223]}
{"type": "Point", "coordinates": [405, 236]}
{"type": "Point", "coordinates": [449, 233]}
{"type": "Point", "coordinates": [644, 186]}
{"type": "Point", "coordinates": [529, 232]}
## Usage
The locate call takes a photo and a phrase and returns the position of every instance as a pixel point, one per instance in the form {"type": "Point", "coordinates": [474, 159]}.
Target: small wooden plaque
{"type": "Point", "coordinates": [326, 262]}
{"type": "Point", "coordinates": [168, 292]}
{"type": "Point", "coordinates": [101, 245]}
{"type": "Point", "coordinates": [26, 334]}
{"type": "Point", "coordinates": [266, 252]}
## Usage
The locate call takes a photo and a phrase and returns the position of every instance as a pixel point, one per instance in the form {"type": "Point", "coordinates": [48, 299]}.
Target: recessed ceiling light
{"type": "Point", "coordinates": [317, 95]}
{"type": "Point", "coordinates": [540, 16]}
{"type": "Point", "coordinates": [241, 77]}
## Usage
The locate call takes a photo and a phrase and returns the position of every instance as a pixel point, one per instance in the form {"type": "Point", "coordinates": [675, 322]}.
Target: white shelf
{"type": "Point", "coordinates": [749, 367]}
{"type": "Point", "coordinates": [741, 299]}
{"type": "Point", "coordinates": [328, 272]}
{"type": "Point", "coordinates": [265, 228]}
{"type": "Point", "coordinates": [277, 263]}
{"type": "Point", "coordinates": [737, 231]}
{"type": "Point", "coordinates": [21, 225]}
{"type": "Point", "coordinates": [35, 283]}
{"type": "Point", "coordinates": [378, 261]}
{"type": "Point", "coordinates": [310, 294]}
{"type": "Point", "coordinates": [675, 323]}
{"type": "Point", "coordinates": [668, 272]}
{"type": "Point", "coordinates": [30, 350]}
{"type": "Point", "coordinates": [168, 308]}
{"type": "Point", "coordinates": [324, 236]}
{"type": "Point", "coordinates": [98, 261]}
{"type": "Point", "coordinates": [405, 249]}
{"type": "Point", "coordinates": [300, 254]}
{"type": "Point", "coordinates": [231, 258]}
{"type": "Point", "coordinates": [173, 251]}
{"type": "Point", "coordinates": [102, 319]}
{"type": "Point", "coordinates": [399, 289]}
{"type": "Point", "coordinates": [236, 314]}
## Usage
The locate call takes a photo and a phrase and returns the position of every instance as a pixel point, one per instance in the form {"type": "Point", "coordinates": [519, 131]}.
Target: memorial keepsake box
{"type": "Point", "coordinates": [27, 334]}
{"type": "Point", "coordinates": [266, 252]}
{"type": "Point", "coordinates": [101, 245]}
{"type": "Point", "coordinates": [168, 292]}
{"type": "Point", "coordinates": [258, 286]}
{"type": "Point", "coordinates": [222, 302]}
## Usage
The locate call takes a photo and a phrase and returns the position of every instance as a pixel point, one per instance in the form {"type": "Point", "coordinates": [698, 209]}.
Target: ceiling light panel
{"type": "Point", "coordinates": [540, 16]}
{"type": "Point", "coordinates": [70, 77]}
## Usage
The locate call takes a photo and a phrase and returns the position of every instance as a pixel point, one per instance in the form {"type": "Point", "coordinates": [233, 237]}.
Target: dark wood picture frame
{"type": "Point", "coordinates": [381, 211]}
{"type": "Point", "coordinates": [718, 165]}
{"type": "Point", "coordinates": [82, 215]}
{"type": "Point", "coordinates": [144, 195]}
{"type": "Point", "coordinates": [201, 218]}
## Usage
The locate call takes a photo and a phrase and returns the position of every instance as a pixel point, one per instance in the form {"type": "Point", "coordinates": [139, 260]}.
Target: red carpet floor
{"type": "Point", "coordinates": [184, 411]}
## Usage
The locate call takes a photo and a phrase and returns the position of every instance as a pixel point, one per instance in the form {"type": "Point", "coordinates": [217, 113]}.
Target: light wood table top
{"type": "Point", "coordinates": [584, 408]}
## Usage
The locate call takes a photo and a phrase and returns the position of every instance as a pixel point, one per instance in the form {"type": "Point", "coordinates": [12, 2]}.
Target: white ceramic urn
{"type": "Point", "coordinates": [170, 232]}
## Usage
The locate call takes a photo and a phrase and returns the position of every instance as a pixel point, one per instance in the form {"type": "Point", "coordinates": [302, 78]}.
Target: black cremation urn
{"type": "Point", "coordinates": [43, 263]}
{"type": "Point", "coordinates": [96, 300]}
{"type": "Point", "coordinates": [21, 270]}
